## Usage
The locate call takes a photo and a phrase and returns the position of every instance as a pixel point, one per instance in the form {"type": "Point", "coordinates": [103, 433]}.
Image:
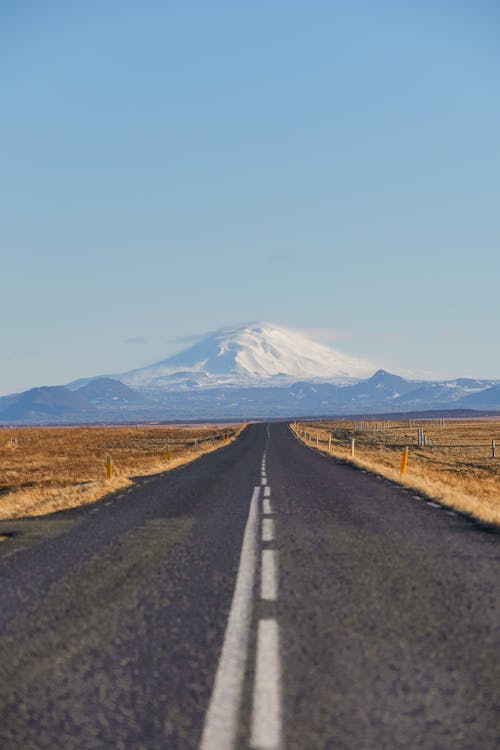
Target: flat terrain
{"type": "Point", "coordinates": [45, 469]}
{"type": "Point", "coordinates": [264, 596]}
{"type": "Point", "coordinates": [455, 465]}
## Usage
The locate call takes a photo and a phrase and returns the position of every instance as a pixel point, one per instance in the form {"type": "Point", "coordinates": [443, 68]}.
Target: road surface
{"type": "Point", "coordinates": [264, 597]}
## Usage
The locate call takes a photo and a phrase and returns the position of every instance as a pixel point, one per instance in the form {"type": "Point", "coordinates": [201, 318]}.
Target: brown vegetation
{"type": "Point", "coordinates": [456, 465]}
{"type": "Point", "coordinates": [43, 470]}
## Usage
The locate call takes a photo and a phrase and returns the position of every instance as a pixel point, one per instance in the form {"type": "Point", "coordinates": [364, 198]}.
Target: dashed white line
{"type": "Point", "coordinates": [266, 733]}
{"type": "Point", "coordinates": [267, 530]}
{"type": "Point", "coordinates": [267, 492]}
{"type": "Point", "coordinates": [221, 720]}
{"type": "Point", "coordinates": [264, 481]}
{"type": "Point", "coordinates": [269, 575]}
{"type": "Point", "coordinates": [266, 506]}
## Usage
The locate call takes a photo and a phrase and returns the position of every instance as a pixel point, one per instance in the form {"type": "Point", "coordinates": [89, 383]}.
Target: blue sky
{"type": "Point", "coordinates": [169, 168]}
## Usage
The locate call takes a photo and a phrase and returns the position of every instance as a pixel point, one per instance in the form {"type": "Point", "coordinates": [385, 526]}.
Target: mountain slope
{"type": "Point", "coordinates": [249, 355]}
{"type": "Point", "coordinates": [486, 399]}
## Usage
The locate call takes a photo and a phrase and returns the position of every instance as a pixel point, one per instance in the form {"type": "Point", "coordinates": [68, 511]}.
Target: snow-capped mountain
{"type": "Point", "coordinates": [253, 371]}
{"type": "Point", "coordinates": [255, 354]}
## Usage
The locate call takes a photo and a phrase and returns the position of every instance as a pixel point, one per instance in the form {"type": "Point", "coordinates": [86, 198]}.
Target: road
{"type": "Point", "coordinates": [264, 597]}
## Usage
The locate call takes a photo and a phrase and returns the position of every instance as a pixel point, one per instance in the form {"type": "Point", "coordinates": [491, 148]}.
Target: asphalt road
{"type": "Point", "coordinates": [265, 597]}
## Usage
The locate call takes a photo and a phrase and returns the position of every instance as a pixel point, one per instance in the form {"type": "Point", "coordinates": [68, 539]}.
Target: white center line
{"type": "Point", "coordinates": [267, 530]}
{"type": "Point", "coordinates": [269, 575]}
{"type": "Point", "coordinates": [221, 720]}
{"type": "Point", "coordinates": [264, 481]}
{"type": "Point", "coordinates": [266, 731]}
{"type": "Point", "coordinates": [266, 506]}
{"type": "Point", "coordinates": [267, 491]}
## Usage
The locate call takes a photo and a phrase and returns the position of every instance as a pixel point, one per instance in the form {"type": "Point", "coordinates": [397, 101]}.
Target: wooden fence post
{"type": "Point", "coordinates": [493, 449]}
{"type": "Point", "coordinates": [353, 444]}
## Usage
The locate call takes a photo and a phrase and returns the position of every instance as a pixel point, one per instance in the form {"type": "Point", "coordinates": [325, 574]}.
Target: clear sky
{"type": "Point", "coordinates": [172, 167]}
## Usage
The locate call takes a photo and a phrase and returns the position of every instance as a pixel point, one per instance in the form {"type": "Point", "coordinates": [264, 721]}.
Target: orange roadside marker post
{"type": "Point", "coordinates": [404, 460]}
{"type": "Point", "coordinates": [109, 466]}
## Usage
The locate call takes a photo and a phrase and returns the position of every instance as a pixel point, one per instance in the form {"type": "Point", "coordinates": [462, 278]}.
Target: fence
{"type": "Point", "coordinates": [397, 436]}
{"type": "Point", "coordinates": [168, 446]}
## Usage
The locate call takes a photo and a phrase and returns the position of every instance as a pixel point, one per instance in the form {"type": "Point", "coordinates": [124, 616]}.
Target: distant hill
{"type": "Point", "coordinates": [45, 402]}
{"type": "Point", "coordinates": [109, 393]}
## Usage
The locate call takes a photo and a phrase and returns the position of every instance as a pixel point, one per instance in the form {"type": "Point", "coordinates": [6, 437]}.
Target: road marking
{"type": "Point", "coordinates": [221, 720]}
{"type": "Point", "coordinates": [269, 575]}
{"type": "Point", "coordinates": [267, 492]}
{"type": "Point", "coordinates": [264, 481]}
{"type": "Point", "coordinates": [266, 506]}
{"type": "Point", "coordinates": [266, 730]}
{"type": "Point", "coordinates": [452, 513]}
{"type": "Point", "coordinates": [267, 530]}
{"type": "Point", "coordinates": [416, 497]}
{"type": "Point", "coordinates": [434, 505]}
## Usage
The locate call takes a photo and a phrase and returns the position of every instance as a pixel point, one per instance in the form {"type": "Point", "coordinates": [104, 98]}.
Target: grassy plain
{"type": "Point", "coordinates": [456, 466]}
{"type": "Point", "coordinates": [46, 469]}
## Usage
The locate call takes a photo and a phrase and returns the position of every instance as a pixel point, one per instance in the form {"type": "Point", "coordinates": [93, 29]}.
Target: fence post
{"type": "Point", "coordinates": [329, 443]}
{"type": "Point", "coordinates": [493, 449]}
{"type": "Point", "coordinates": [109, 466]}
{"type": "Point", "coordinates": [353, 444]}
{"type": "Point", "coordinates": [167, 452]}
{"type": "Point", "coordinates": [404, 460]}
{"type": "Point", "coordinates": [317, 439]}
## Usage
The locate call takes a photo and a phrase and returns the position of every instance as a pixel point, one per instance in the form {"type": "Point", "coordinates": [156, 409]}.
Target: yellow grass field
{"type": "Point", "coordinates": [455, 466]}
{"type": "Point", "coordinates": [43, 470]}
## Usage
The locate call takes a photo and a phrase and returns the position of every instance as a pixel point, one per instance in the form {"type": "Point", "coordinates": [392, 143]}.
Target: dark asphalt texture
{"type": "Point", "coordinates": [112, 616]}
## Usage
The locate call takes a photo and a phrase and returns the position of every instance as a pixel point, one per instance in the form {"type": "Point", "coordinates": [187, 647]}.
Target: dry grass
{"type": "Point", "coordinates": [455, 467]}
{"type": "Point", "coordinates": [56, 468]}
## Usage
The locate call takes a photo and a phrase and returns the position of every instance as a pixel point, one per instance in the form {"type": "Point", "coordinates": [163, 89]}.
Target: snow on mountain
{"type": "Point", "coordinates": [255, 354]}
